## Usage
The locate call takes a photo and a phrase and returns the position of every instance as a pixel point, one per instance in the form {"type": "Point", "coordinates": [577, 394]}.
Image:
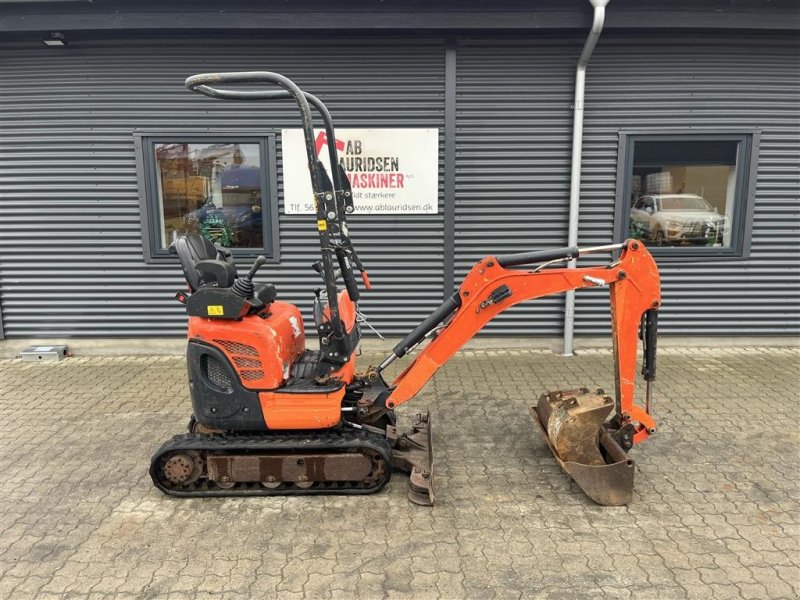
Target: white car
{"type": "Point", "coordinates": [676, 219]}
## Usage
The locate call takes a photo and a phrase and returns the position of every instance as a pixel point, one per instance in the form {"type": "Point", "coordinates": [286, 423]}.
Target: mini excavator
{"type": "Point", "coordinates": [272, 417]}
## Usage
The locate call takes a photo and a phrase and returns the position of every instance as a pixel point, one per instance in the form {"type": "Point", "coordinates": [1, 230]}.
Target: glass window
{"type": "Point", "coordinates": [210, 189]}
{"type": "Point", "coordinates": [219, 188]}
{"type": "Point", "coordinates": [688, 193]}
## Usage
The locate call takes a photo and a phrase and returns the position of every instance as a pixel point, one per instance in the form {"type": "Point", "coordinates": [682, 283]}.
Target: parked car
{"type": "Point", "coordinates": [676, 219]}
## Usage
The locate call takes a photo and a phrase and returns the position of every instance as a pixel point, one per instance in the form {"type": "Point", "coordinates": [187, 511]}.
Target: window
{"type": "Point", "coordinates": [222, 187]}
{"type": "Point", "coordinates": [687, 194]}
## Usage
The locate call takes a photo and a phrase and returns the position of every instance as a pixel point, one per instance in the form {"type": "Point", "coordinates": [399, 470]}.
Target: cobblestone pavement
{"type": "Point", "coordinates": [715, 512]}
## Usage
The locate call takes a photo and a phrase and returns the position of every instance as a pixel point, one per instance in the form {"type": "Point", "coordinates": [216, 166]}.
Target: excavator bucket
{"type": "Point", "coordinates": [572, 425]}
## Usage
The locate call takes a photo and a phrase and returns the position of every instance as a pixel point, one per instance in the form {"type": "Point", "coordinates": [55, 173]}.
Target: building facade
{"type": "Point", "coordinates": [691, 143]}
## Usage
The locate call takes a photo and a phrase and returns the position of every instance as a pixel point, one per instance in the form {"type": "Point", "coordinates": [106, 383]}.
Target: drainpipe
{"type": "Point", "coordinates": [577, 148]}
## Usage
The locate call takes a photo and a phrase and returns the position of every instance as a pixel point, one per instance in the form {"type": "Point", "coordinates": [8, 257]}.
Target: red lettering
{"type": "Point", "coordinates": [377, 180]}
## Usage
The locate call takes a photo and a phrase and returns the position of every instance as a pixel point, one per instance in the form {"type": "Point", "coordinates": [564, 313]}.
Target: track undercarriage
{"type": "Point", "coordinates": [344, 460]}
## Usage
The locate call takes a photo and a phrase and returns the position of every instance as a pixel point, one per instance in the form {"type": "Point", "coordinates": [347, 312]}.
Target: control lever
{"type": "Point", "coordinates": [317, 266]}
{"type": "Point", "coordinates": [259, 262]}
{"type": "Point", "coordinates": [365, 279]}
{"type": "Point", "coordinates": [243, 287]}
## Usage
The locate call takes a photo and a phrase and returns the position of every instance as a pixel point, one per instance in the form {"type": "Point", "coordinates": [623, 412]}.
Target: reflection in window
{"type": "Point", "coordinates": [683, 192]}
{"type": "Point", "coordinates": [210, 188]}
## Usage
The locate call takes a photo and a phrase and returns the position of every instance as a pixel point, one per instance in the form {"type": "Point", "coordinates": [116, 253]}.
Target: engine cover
{"type": "Point", "coordinates": [261, 349]}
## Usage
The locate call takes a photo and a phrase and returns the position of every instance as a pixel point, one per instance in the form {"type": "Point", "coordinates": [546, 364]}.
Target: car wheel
{"type": "Point", "coordinates": [658, 237]}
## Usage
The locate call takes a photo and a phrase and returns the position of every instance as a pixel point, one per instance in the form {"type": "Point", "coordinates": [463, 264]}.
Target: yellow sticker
{"type": "Point", "coordinates": [215, 310]}
{"type": "Point", "coordinates": [322, 225]}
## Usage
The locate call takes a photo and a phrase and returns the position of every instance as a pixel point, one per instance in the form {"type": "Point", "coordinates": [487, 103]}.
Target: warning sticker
{"type": "Point", "coordinates": [215, 310]}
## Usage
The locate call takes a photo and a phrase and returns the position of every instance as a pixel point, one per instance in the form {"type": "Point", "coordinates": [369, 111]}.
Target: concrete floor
{"type": "Point", "coordinates": [716, 512]}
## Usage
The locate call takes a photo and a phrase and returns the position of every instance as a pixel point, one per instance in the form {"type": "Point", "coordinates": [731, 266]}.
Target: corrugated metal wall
{"type": "Point", "coordinates": [513, 148]}
{"type": "Point", "coordinates": [703, 81]}
{"type": "Point", "coordinates": [513, 157]}
{"type": "Point", "coordinates": [70, 233]}
{"type": "Point", "coordinates": [71, 240]}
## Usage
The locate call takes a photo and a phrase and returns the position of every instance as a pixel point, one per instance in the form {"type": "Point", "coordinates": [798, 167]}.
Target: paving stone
{"type": "Point", "coordinates": [716, 510]}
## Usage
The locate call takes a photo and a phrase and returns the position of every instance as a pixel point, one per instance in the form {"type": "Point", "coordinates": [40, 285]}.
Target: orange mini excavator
{"type": "Point", "coordinates": [272, 417]}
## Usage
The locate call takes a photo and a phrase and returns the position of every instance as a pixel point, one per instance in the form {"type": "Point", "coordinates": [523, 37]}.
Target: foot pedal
{"type": "Point", "coordinates": [413, 452]}
{"type": "Point", "coordinates": [572, 425]}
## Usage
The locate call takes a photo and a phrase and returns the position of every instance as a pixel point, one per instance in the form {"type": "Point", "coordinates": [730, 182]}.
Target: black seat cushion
{"type": "Point", "coordinates": [265, 292]}
{"type": "Point", "coordinates": [200, 262]}
{"type": "Point", "coordinates": [216, 272]}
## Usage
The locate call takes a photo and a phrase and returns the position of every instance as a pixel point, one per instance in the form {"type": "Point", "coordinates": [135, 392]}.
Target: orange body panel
{"type": "Point", "coordinates": [301, 411]}
{"type": "Point", "coordinates": [634, 286]}
{"type": "Point", "coordinates": [347, 311]}
{"type": "Point", "coordinates": [261, 350]}
{"type": "Point", "coordinates": [312, 411]}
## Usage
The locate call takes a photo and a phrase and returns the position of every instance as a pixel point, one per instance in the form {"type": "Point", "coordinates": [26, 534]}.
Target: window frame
{"type": "Point", "coordinates": [146, 172]}
{"type": "Point", "coordinates": [747, 166]}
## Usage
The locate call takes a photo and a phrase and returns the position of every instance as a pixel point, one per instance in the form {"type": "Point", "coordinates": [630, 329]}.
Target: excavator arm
{"type": "Point", "coordinates": [490, 289]}
{"type": "Point", "coordinates": [572, 421]}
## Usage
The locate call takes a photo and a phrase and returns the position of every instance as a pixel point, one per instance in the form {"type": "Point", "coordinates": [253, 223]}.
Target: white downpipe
{"type": "Point", "coordinates": [577, 149]}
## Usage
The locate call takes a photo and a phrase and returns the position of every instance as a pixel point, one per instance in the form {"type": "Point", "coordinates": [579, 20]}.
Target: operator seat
{"type": "Point", "coordinates": [201, 263]}
{"type": "Point", "coordinates": [204, 265]}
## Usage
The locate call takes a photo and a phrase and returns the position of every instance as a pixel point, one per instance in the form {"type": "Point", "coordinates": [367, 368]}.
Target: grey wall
{"type": "Point", "coordinates": [699, 81]}
{"type": "Point", "coordinates": [513, 165]}
{"type": "Point", "coordinates": [513, 149]}
{"type": "Point", "coordinates": [71, 242]}
{"type": "Point", "coordinates": [71, 260]}
{"type": "Point", "coordinates": [355, 15]}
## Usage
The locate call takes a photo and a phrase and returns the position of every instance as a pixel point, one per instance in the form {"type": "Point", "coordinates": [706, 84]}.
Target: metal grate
{"type": "Point", "coordinates": [249, 369]}
{"type": "Point", "coordinates": [216, 373]}
{"type": "Point", "coordinates": [237, 348]}
{"type": "Point", "coordinates": [241, 361]}
{"type": "Point", "coordinates": [251, 375]}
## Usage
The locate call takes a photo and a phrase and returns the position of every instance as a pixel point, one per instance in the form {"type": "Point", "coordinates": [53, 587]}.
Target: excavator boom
{"type": "Point", "coordinates": [573, 422]}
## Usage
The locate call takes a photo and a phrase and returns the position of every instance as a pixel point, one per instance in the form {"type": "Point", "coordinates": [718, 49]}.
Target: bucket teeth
{"type": "Point", "coordinates": [572, 424]}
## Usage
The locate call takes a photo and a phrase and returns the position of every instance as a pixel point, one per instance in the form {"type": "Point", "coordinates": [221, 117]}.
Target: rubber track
{"type": "Point", "coordinates": [335, 441]}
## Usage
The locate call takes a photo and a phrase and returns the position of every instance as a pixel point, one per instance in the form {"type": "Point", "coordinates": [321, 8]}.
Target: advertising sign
{"type": "Point", "coordinates": [392, 171]}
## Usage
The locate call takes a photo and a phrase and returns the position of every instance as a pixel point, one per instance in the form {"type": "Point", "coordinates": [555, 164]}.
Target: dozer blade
{"type": "Point", "coordinates": [572, 425]}
{"type": "Point", "coordinates": [413, 452]}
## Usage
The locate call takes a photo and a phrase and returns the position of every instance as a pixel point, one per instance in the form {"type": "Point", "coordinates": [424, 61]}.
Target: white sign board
{"type": "Point", "coordinates": [392, 171]}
